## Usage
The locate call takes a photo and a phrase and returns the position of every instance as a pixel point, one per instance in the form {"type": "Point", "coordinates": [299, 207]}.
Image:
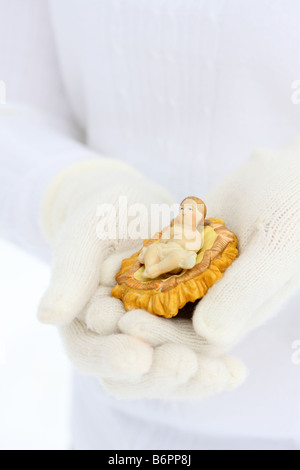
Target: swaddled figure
{"type": "Point", "coordinates": [179, 244]}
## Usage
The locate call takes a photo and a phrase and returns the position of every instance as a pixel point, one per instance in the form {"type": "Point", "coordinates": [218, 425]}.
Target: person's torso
{"type": "Point", "coordinates": [181, 89]}
{"type": "Point", "coordinates": [184, 90]}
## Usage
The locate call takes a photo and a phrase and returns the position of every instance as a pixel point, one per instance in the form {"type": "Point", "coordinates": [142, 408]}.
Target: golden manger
{"type": "Point", "coordinates": [178, 265]}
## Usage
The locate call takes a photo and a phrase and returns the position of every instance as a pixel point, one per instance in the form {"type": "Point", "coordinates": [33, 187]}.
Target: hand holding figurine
{"type": "Point", "coordinates": [267, 222]}
{"type": "Point", "coordinates": [137, 354]}
{"type": "Point", "coordinates": [166, 361]}
{"type": "Point", "coordinates": [89, 318]}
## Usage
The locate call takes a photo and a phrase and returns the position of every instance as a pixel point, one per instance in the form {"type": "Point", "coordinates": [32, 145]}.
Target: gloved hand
{"type": "Point", "coordinates": [89, 318]}
{"type": "Point", "coordinates": [81, 218]}
{"type": "Point", "coordinates": [169, 362]}
{"type": "Point", "coordinates": [261, 203]}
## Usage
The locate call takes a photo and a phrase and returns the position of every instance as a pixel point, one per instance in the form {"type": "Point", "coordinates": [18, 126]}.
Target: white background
{"type": "Point", "coordinates": [34, 372]}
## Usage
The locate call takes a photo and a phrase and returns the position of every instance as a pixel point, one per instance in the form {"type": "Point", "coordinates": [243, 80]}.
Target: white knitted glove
{"type": "Point", "coordinates": [75, 228]}
{"type": "Point", "coordinates": [173, 364]}
{"type": "Point", "coordinates": [261, 204]}
{"type": "Point", "coordinates": [87, 314]}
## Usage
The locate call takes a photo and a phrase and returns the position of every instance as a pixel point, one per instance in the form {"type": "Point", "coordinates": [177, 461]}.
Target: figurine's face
{"type": "Point", "coordinates": [191, 213]}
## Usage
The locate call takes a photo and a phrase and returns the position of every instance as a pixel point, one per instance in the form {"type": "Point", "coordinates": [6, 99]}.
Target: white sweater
{"type": "Point", "coordinates": [182, 90]}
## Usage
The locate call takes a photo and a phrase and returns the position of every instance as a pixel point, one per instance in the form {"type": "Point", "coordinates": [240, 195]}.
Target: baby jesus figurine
{"type": "Point", "coordinates": [179, 244]}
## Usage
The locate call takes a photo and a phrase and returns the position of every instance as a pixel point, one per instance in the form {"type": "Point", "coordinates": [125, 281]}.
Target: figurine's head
{"type": "Point", "coordinates": [192, 211]}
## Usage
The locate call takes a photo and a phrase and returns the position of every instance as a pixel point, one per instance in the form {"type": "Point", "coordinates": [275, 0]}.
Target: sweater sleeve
{"type": "Point", "coordinates": [33, 148]}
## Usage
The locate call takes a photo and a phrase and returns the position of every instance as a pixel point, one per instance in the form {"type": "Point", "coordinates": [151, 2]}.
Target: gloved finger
{"type": "Point", "coordinates": [213, 376]}
{"type": "Point", "coordinates": [224, 313]}
{"type": "Point", "coordinates": [78, 255]}
{"type": "Point", "coordinates": [103, 312]}
{"type": "Point", "coordinates": [112, 265]}
{"type": "Point", "coordinates": [118, 357]}
{"type": "Point", "coordinates": [172, 366]}
{"type": "Point", "coordinates": [274, 303]}
{"type": "Point", "coordinates": [156, 331]}
{"type": "Point", "coordinates": [222, 199]}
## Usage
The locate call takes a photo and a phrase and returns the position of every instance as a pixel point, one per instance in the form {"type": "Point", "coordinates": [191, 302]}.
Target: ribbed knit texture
{"type": "Point", "coordinates": [183, 90]}
{"type": "Point", "coordinates": [180, 89]}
